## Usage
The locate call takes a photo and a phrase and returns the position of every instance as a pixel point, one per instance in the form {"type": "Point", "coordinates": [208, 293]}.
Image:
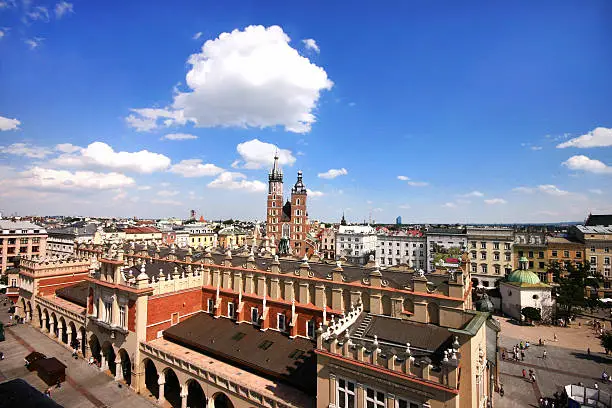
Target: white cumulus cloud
{"type": "Point", "coordinates": [417, 183]}
{"type": "Point", "coordinates": [403, 178]}
{"type": "Point", "coordinates": [246, 78]}
{"type": "Point", "coordinates": [197, 35]}
{"type": "Point", "coordinates": [598, 137]}
{"type": "Point", "coordinates": [9, 124]}
{"type": "Point", "coordinates": [474, 193]}
{"type": "Point", "coordinates": [167, 193]}
{"type": "Point", "coordinates": [313, 193]}
{"type": "Point", "coordinates": [101, 155]}
{"type": "Point", "coordinates": [311, 44]}
{"type": "Point", "coordinates": [404, 206]}
{"type": "Point", "coordinates": [495, 201]}
{"type": "Point", "coordinates": [179, 136]}
{"type": "Point", "coordinates": [165, 202]}
{"type": "Point", "coordinates": [33, 42]}
{"type": "Point", "coordinates": [256, 154]}
{"type": "Point", "coordinates": [236, 181]}
{"type": "Point", "coordinates": [584, 163]}
{"type": "Point", "coordinates": [39, 178]}
{"type": "Point", "coordinates": [597, 191]}
{"type": "Point", "coordinates": [549, 189]}
{"type": "Point", "coordinates": [449, 205]}
{"type": "Point", "coordinates": [62, 8]}
{"type": "Point", "coordinates": [27, 150]}
{"type": "Point", "coordinates": [195, 168]}
{"type": "Point", "coordinates": [333, 173]}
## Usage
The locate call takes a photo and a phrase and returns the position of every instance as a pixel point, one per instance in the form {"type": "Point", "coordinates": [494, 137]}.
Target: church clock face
{"type": "Point", "coordinates": [286, 231]}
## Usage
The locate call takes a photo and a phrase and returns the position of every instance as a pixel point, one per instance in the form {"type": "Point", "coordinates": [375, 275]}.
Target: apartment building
{"type": "Point", "coordinates": [564, 250]}
{"type": "Point", "coordinates": [597, 242]}
{"type": "Point", "coordinates": [201, 235]}
{"type": "Point", "coordinates": [356, 243]}
{"type": "Point", "coordinates": [327, 243]}
{"type": "Point", "coordinates": [402, 248]}
{"type": "Point", "coordinates": [443, 240]}
{"type": "Point", "coordinates": [61, 241]}
{"type": "Point", "coordinates": [532, 246]}
{"type": "Point", "coordinates": [491, 256]}
{"type": "Point", "coordinates": [19, 238]}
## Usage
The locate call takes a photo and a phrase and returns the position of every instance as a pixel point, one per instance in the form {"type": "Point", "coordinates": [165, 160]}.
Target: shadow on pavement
{"type": "Point", "coordinates": [598, 358]}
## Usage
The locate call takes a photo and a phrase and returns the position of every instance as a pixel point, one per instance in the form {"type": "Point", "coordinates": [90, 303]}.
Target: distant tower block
{"type": "Point", "coordinates": [192, 214]}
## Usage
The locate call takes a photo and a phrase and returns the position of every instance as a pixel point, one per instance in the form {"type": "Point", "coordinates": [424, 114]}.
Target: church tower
{"type": "Point", "coordinates": [275, 201]}
{"type": "Point", "coordinates": [299, 217]}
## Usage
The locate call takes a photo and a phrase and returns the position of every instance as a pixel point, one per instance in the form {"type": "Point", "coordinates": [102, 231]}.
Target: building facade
{"type": "Point", "coordinates": [597, 241]}
{"type": "Point", "coordinates": [491, 256]}
{"type": "Point", "coordinates": [327, 243]}
{"type": "Point", "coordinates": [402, 248]}
{"type": "Point", "coordinates": [532, 245]}
{"type": "Point", "coordinates": [289, 220]}
{"type": "Point", "coordinates": [239, 330]}
{"type": "Point", "coordinates": [61, 241]}
{"type": "Point", "coordinates": [19, 239]}
{"type": "Point", "coordinates": [356, 243]}
{"type": "Point", "coordinates": [444, 242]}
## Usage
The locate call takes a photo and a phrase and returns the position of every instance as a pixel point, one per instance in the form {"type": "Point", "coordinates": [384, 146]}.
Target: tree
{"type": "Point", "coordinates": [572, 279]}
{"type": "Point", "coordinates": [532, 313]}
{"type": "Point", "coordinates": [606, 341]}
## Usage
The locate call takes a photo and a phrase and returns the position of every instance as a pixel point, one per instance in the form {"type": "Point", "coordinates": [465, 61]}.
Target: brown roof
{"type": "Point", "coordinates": [268, 353]}
{"type": "Point", "coordinates": [76, 293]}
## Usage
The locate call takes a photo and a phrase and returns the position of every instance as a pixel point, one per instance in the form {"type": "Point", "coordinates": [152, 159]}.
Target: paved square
{"type": "Point", "coordinates": [567, 361]}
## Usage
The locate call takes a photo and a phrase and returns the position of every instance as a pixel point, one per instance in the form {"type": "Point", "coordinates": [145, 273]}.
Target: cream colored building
{"type": "Point", "coordinates": [491, 253]}
{"type": "Point", "coordinates": [598, 249]}
{"type": "Point", "coordinates": [19, 239]}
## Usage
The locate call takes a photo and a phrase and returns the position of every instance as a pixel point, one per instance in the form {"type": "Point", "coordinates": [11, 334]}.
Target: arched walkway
{"type": "Point", "coordinates": [222, 401]}
{"type": "Point", "coordinates": [195, 394]}
{"type": "Point", "coordinates": [46, 321]}
{"type": "Point", "coordinates": [54, 325]}
{"type": "Point", "coordinates": [94, 346]}
{"type": "Point", "coordinates": [83, 341]}
{"type": "Point", "coordinates": [73, 336]}
{"type": "Point", "coordinates": [126, 367]}
{"type": "Point", "coordinates": [151, 378]}
{"type": "Point", "coordinates": [39, 314]}
{"type": "Point", "coordinates": [172, 388]}
{"type": "Point", "coordinates": [63, 330]}
{"type": "Point", "coordinates": [109, 357]}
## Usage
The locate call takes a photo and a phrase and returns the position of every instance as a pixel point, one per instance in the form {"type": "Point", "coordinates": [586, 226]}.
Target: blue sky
{"type": "Point", "coordinates": [435, 111]}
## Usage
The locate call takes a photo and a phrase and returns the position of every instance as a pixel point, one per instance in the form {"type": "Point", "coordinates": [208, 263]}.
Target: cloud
{"type": "Point", "coordinates": [549, 189]}
{"type": "Point", "coordinates": [596, 191]}
{"type": "Point", "coordinates": [257, 154]}
{"type": "Point", "coordinates": [333, 173]}
{"type": "Point", "coordinates": [404, 206]}
{"type": "Point", "coordinates": [449, 205]}
{"type": "Point", "coordinates": [34, 42]}
{"type": "Point", "coordinates": [417, 183]}
{"type": "Point", "coordinates": [167, 193]}
{"type": "Point", "coordinates": [38, 13]}
{"type": "Point", "coordinates": [313, 193]}
{"type": "Point", "coordinates": [27, 150]}
{"type": "Point", "coordinates": [145, 119]}
{"type": "Point", "coordinates": [165, 202]}
{"type": "Point", "coordinates": [474, 193]}
{"type": "Point", "coordinates": [9, 124]}
{"type": "Point", "coordinates": [3, 30]}
{"type": "Point", "coordinates": [197, 35]}
{"type": "Point", "coordinates": [144, 188]}
{"type": "Point", "coordinates": [49, 179]}
{"type": "Point", "coordinates": [178, 136]}
{"type": "Point", "coordinates": [67, 148]}
{"type": "Point", "coordinates": [522, 189]}
{"type": "Point", "coordinates": [403, 178]}
{"type": "Point", "coordinates": [101, 155]}
{"type": "Point", "coordinates": [63, 8]}
{"type": "Point", "coordinates": [599, 137]}
{"type": "Point", "coordinates": [377, 209]}
{"type": "Point", "coordinates": [311, 44]}
{"type": "Point", "coordinates": [492, 201]}
{"type": "Point", "coordinates": [536, 148]}
{"type": "Point", "coordinates": [236, 181]}
{"type": "Point", "coordinates": [584, 163]}
{"type": "Point", "coordinates": [194, 168]}
{"type": "Point", "coordinates": [246, 78]}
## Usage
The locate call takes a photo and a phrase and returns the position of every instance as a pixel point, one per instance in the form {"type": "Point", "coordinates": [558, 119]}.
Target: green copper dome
{"type": "Point", "coordinates": [524, 276]}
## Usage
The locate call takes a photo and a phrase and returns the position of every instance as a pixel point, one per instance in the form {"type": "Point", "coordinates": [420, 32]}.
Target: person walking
{"type": "Point", "coordinates": [588, 351]}
{"type": "Point", "coordinates": [501, 390]}
{"type": "Point", "coordinates": [555, 337]}
{"type": "Point", "coordinates": [544, 354]}
{"type": "Point", "coordinates": [522, 355]}
{"type": "Point", "coordinates": [524, 373]}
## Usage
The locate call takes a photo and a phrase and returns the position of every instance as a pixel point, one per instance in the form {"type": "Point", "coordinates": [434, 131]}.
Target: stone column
{"type": "Point", "coordinates": [69, 337]}
{"type": "Point", "coordinates": [27, 318]}
{"type": "Point", "coordinates": [60, 332]}
{"type": "Point", "coordinates": [184, 394]}
{"type": "Point", "coordinates": [161, 380]}
{"type": "Point", "coordinates": [359, 395]}
{"type": "Point", "coordinates": [44, 323]}
{"type": "Point", "coordinates": [118, 371]}
{"type": "Point", "coordinates": [390, 401]}
{"type": "Point", "coordinates": [52, 328]}
{"type": "Point", "coordinates": [332, 390]}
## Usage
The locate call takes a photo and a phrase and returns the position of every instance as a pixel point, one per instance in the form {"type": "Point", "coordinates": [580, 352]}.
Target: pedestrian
{"type": "Point", "coordinates": [524, 373]}
{"type": "Point", "coordinates": [541, 402]}
{"type": "Point", "coordinates": [545, 403]}
{"type": "Point", "coordinates": [533, 379]}
{"type": "Point", "coordinates": [501, 390]}
{"type": "Point", "coordinates": [540, 342]}
{"type": "Point", "coordinates": [596, 386]}
{"type": "Point", "coordinates": [555, 337]}
{"type": "Point", "coordinates": [503, 355]}
{"type": "Point", "coordinates": [544, 354]}
{"type": "Point", "coordinates": [522, 355]}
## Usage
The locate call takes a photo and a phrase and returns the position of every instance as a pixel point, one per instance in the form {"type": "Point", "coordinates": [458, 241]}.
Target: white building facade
{"type": "Point", "coordinates": [408, 248]}
{"type": "Point", "coordinates": [356, 243]}
{"type": "Point", "coordinates": [443, 239]}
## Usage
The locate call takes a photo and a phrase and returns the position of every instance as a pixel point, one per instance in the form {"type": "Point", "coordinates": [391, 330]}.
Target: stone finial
{"type": "Point", "coordinates": [275, 258]}
{"type": "Point", "coordinates": [375, 341]}
{"type": "Point", "coordinates": [408, 351]}
{"type": "Point", "coordinates": [228, 254]}
{"type": "Point", "coordinates": [456, 344]}
{"type": "Point", "coordinates": [445, 359]}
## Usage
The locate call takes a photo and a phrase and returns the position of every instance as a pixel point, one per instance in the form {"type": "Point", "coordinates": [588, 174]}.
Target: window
{"type": "Point", "coordinates": [496, 245]}
{"type": "Point", "coordinates": [374, 399]}
{"type": "Point", "coordinates": [507, 246]}
{"type": "Point", "coordinates": [473, 243]}
{"type": "Point", "coordinates": [607, 250]}
{"type": "Point", "coordinates": [483, 268]}
{"type": "Point", "coordinates": [566, 254]}
{"type": "Point", "coordinates": [554, 254]}
{"type": "Point", "coordinates": [402, 403]}
{"type": "Point", "coordinates": [238, 336]}
{"type": "Point", "coordinates": [607, 260]}
{"type": "Point", "coordinates": [280, 322]}
{"type": "Point", "coordinates": [483, 245]}
{"type": "Point", "coordinates": [122, 314]}
{"type": "Point", "coordinates": [530, 265]}
{"type": "Point", "coordinates": [254, 315]}
{"type": "Point", "coordinates": [593, 260]}
{"type": "Point", "coordinates": [473, 254]}
{"type": "Point", "coordinates": [508, 256]}
{"type": "Point", "coordinates": [266, 344]}
{"type": "Point", "coordinates": [530, 254]}
{"type": "Point", "coordinates": [520, 253]}
{"type": "Point", "coordinates": [483, 255]}
{"type": "Point", "coordinates": [108, 312]}
{"type": "Point", "coordinates": [474, 268]}
{"type": "Point", "coordinates": [310, 329]}
{"type": "Point", "coordinates": [211, 305]}
{"type": "Point", "coordinates": [36, 240]}
{"type": "Point", "coordinates": [14, 283]}
{"type": "Point", "coordinates": [23, 241]}
{"type": "Point", "coordinates": [497, 269]}
{"type": "Point", "coordinates": [345, 394]}
{"type": "Point", "coordinates": [592, 248]}
{"type": "Point", "coordinates": [578, 254]}
{"type": "Point", "coordinates": [541, 255]}
{"type": "Point", "coordinates": [541, 265]}
{"type": "Point", "coordinates": [23, 250]}
{"type": "Point", "coordinates": [496, 256]}
{"type": "Point", "coordinates": [230, 310]}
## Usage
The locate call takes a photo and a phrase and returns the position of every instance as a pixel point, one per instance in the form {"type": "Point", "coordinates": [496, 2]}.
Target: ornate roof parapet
{"type": "Point", "coordinates": [343, 324]}
{"type": "Point", "coordinates": [275, 265]}
{"type": "Point", "coordinates": [376, 276]}
{"type": "Point", "coordinates": [304, 270]}
{"type": "Point", "coordinates": [337, 272]}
